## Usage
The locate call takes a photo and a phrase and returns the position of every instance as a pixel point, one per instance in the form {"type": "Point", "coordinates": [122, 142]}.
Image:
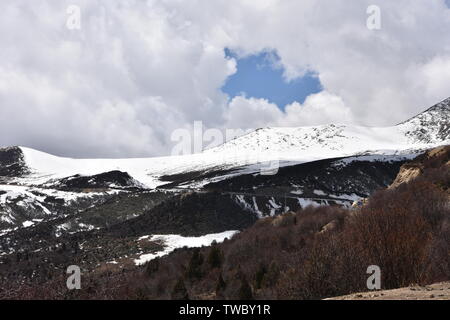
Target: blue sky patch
{"type": "Point", "coordinates": [258, 76]}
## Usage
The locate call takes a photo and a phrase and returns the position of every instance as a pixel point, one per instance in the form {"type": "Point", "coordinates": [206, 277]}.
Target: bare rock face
{"type": "Point", "coordinates": [434, 158]}
{"type": "Point", "coordinates": [111, 179]}
{"type": "Point", "coordinates": [432, 125]}
{"type": "Point", "coordinates": [12, 162]}
{"type": "Point", "coordinates": [330, 226]}
{"type": "Point", "coordinates": [407, 173]}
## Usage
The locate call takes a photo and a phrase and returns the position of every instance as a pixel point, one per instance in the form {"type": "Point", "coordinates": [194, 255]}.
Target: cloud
{"type": "Point", "coordinates": [117, 87]}
{"type": "Point", "coordinates": [435, 76]}
{"type": "Point", "coordinates": [320, 108]}
{"type": "Point", "coordinates": [137, 70]}
{"type": "Point", "coordinates": [249, 113]}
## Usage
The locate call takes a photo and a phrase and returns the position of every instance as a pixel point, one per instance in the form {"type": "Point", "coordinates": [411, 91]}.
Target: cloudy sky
{"type": "Point", "coordinates": [137, 70]}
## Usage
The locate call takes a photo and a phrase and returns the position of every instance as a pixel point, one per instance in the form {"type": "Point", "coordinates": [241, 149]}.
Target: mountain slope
{"type": "Point", "coordinates": [36, 186]}
{"type": "Point", "coordinates": [248, 152]}
{"type": "Point", "coordinates": [425, 130]}
{"type": "Point", "coordinates": [96, 210]}
{"type": "Point", "coordinates": [431, 126]}
{"type": "Point", "coordinates": [314, 253]}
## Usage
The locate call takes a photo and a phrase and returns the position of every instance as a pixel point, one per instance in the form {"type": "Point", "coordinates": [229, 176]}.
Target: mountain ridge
{"type": "Point", "coordinates": [99, 209]}
{"type": "Point", "coordinates": [248, 153]}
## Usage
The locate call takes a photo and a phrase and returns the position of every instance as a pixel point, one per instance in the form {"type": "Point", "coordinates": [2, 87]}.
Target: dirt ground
{"type": "Point", "coordinates": [437, 291]}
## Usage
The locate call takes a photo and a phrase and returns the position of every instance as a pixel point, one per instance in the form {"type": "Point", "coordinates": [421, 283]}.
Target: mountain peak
{"type": "Point", "coordinates": [430, 126]}
{"type": "Point", "coordinates": [443, 106]}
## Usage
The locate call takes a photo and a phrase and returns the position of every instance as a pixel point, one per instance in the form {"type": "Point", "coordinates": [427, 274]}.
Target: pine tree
{"type": "Point", "coordinates": [179, 291]}
{"type": "Point", "coordinates": [194, 267]}
{"type": "Point", "coordinates": [215, 257]}
{"type": "Point", "coordinates": [245, 291]}
{"type": "Point", "coordinates": [221, 285]}
{"type": "Point", "coordinates": [259, 276]}
{"type": "Point", "coordinates": [152, 267]}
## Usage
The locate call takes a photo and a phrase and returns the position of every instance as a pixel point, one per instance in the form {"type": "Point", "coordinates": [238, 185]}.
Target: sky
{"type": "Point", "coordinates": [132, 71]}
{"type": "Point", "coordinates": [260, 76]}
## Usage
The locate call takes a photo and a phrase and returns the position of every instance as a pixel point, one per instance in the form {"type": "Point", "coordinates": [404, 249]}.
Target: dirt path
{"type": "Point", "coordinates": [437, 291]}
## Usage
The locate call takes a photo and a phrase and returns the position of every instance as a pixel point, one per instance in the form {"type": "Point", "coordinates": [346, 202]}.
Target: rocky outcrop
{"type": "Point", "coordinates": [108, 180]}
{"type": "Point", "coordinates": [430, 126]}
{"type": "Point", "coordinates": [407, 173]}
{"type": "Point", "coordinates": [12, 162]}
{"type": "Point", "coordinates": [434, 158]}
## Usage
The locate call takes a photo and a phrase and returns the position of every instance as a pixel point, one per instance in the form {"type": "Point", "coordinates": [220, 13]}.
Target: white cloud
{"type": "Point", "coordinates": [320, 108]}
{"type": "Point", "coordinates": [252, 113]}
{"type": "Point", "coordinates": [139, 69]}
{"type": "Point", "coordinates": [435, 77]}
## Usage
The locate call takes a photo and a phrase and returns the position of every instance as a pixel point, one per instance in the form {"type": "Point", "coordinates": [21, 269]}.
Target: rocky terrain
{"type": "Point", "coordinates": [437, 291]}
{"type": "Point", "coordinates": [435, 158]}
{"type": "Point", "coordinates": [316, 252]}
{"type": "Point", "coordinates": [96, 213]}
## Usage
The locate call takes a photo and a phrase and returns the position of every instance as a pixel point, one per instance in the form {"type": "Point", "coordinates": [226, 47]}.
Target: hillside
{"type": "Point", "coordinates": [314, 253]}
{"type": "Point", "coordinates": [115, 214]}
{"type": "Point", "coordinates": [332, 164]}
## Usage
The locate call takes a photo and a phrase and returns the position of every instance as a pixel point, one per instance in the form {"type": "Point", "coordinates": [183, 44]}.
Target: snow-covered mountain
{"type": "Point", "coordinates": [108, 205]}
{"type": "Point", "coordinates": [36, 186]}
{"type": "Point", "coordinates": [288, 145]}
{"type": "Point", "coordinates": [430, 128]}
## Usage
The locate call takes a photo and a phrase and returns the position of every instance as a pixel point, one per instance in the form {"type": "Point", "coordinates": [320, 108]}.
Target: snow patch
{"type": "Point", "coordinates": [173, 241]}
